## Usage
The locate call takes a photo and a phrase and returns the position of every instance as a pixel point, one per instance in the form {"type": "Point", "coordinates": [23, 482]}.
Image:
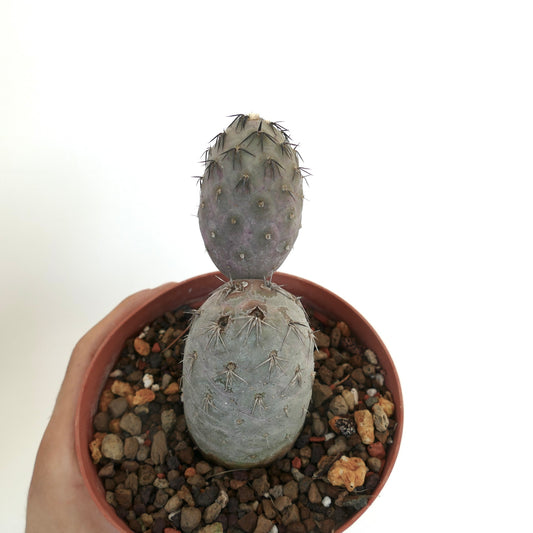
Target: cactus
{"type": "Point", "coordinates": [248, 371]}
{"type": "Point", "coordinates": [251, 198]}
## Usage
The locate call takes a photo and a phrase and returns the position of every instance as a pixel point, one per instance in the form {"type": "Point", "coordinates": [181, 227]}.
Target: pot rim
{"type": "Point", "coordinates": [193, 290]}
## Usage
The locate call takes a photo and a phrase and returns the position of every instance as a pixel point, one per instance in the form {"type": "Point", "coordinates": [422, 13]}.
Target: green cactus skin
{"type": "Point", "coordinates": [248, 372]}
{"type": "Point", "coordinates": [251, 198]}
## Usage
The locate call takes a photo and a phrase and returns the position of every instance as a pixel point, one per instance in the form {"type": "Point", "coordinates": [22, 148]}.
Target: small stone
{"type": "Point", "coordinates": [123, 497]}
{"type": "Point", "coordinates": [173, 504]}
{"type": "Point", "coordinates": [261, 485]}
{"type": "Point", "coordinates": [344, 329]}
{"type": "Point", "coordinates": [381, 420]}
{"type": "Point", "coordinates": [321, 393]}
{"type": "Point", "coordinates": [112, 447]}
{"type": "Point", "coordinates": [146, 475]}
{"type": "Point", "coordinates": [335, 337]}
{"type": "Point", "coordinates": [326, 501]}
{"type": "Point", "coordinates": [290, 515]}
{"type": "Point", "coordinates": [338, 406]}
{"type": "Point", "coordinates": [118, 407]}
{"type": "Point", "coordinates": [131, 447]}
{"type": "Point", "coordinates": [143, 453]}
{"type": "Point", "coordinates": [365, 425]}
{"type": "Point", "coordinates": [371, 356]}
{"type": "Point", "coordinates": [143, 396]}
{"type": "Point", "coordinates": [173, 388]}
{"type": "Point", "coordinates": [314, 494]}
{"type": "Point", "coordinates": [282, 502]}
{"type": "Point", "coordinates": [264, 525]}
{"type": "Point", "coordinates": [148, 381]}
{"type": "Point", "coordinates": [208, 496]}
{"type": "Point", "coordinates": [322, 340]}
{"type": "Point", "coordinates": [217, 527]}
{"type": "Point", "coordinates": [268, 509]}
{"type": "Point", "coordinates": [132, 482]}
{"type": "Point", "coordinates": [95, 447]}
{"type": "Point", "coordinates": [318, 425]}
{"type": "Point", "coordinates": [374, 464]}
{"type": "Point", "coordinates": [349, 398]}
{"type": "Point", "coordinates": [101, 422]}
{"type": "Point", "coordinates": [340, 446]}
{"type": "Point", "coordinates": [131, 423]}
{"type": "Point", "coordinates": [349, 472]}
{"type": "Point", "coordinates": [203, 467]}
{"type": "Point", "coordinates": [377, 449]}
{"type": "Point", "coordinates": [320, 355]}
{"type": "Point", "coordinates": [386, 405]}
{"type": "Point", "coordinates": [248, 522]}
{"type": "Point", "coordinates": [212, 512]}
{"type": "Point", "coordinates": [190, 518]}
{"type": "Point", "coordinates": [290, 490]}
{"type": "Point", "coordinates": [141, 347]}
{"type": "Point", "coordinates": [107, 471]}
{"type": "Point", "coordinates": [245, 494]}
{"type": "Point", "coordinates": [161, 483]}
{"type": "Point", "coordinates": [161, 498]}
{"type": "Point", "coordinates": [159, 448]}
{"type": "Point", "coordinates": [121, 388]}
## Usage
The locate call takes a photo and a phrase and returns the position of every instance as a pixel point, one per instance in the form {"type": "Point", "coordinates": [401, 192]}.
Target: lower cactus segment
{"type": "Point", "coordinates": [248, 372]}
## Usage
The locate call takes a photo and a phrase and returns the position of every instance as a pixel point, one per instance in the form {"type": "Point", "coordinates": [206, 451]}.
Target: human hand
{"type": "Point", "coordinates": [58, 500]}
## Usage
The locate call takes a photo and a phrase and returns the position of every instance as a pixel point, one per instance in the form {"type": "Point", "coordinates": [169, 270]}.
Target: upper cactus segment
{"type": "Point", "coordinates": [251, 198]}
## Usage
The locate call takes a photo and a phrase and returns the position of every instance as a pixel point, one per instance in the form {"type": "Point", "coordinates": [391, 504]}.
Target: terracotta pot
{"type": "Point", "coordinates": [196, 290]}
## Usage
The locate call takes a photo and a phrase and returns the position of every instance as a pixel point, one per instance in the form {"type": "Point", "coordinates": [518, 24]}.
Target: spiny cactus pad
{"type": "Point", "coordinates": [248, 372]}
{"type": "Point", "coordinates": [251, 198]}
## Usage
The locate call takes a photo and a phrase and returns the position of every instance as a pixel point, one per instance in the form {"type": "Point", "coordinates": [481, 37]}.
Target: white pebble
{"type": "Point", "coordinates": [155, 387]}
{"type": "Point", "coordinates": [326, 501]}
{"type": "Point", "coordinates": [379, 379]}
{"type": "Point", "coordinates": [274, 529]}
{"type": "Point", "coordinates": [371, 392]}
{"type": "Point", "coordinates": [116, 373]}
{"type": "Point", "coordinates": [329, 436]}
{"type": "Point", "coordinates": [148, 381]}
{"type": "Point", "coordinates": [355, 396]}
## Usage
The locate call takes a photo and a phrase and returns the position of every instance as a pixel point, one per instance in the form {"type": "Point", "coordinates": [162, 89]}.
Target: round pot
{"type": "Point", "coordinates": [195, 290]}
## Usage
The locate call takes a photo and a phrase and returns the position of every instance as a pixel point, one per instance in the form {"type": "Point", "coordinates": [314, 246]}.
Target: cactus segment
{"type": "Point", "coordinates": [251, 198]}
{"type": "Point", "coordinates": [248, 373]}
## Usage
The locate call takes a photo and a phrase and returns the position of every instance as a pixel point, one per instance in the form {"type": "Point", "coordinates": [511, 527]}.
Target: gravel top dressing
{"type": "Point", "coordinates": [157, 481]}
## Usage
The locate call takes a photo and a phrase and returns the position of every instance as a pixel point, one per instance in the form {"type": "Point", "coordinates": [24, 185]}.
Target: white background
{"type": "Point", "coordinates": [415, 119]}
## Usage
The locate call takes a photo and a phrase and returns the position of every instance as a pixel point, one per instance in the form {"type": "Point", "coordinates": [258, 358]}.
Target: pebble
{"type": "Point", "coordinates": [168, 420]}
{"type": "Point", "coordinates": [338, 406]}
{"type": "Point", "coordinates": [321, 339]}
{"type": "Point", "coordinates": [141, 347]}
{"type": "Point", "coordinates": [264, 525]}
{"type": "Point", "coordinates": [148, 381]}
{"type": "Point", "coordinates": [101, 422]}
{"type": "Point", "coordinates": [326, 501]}
{"type": "Point", "coordinates": [350, 399]}
{"type": "Point", "coordinates": [131, 423]}
{"type": "Point", "coordinates": [190, 518]}
{"type": "Point", "coordinates": [365, 425]}
{"type": "Point", "coordinates": [314, 494]}
{"type": "Point", "coordinates": [321, 393]}
{"type": "Point", "coordinates": [143, 396]}
{"type": "Point", "coordinates": [159, 450]}
{"type": "Point", "coordinates": [131, 447]}
{"type": "Point", "coordinates": [112, 447]}
{"type": "Point", "coordinates": [387, 406]}
{"type": "Point", "coordinates": [371, 357]}
{"type": "Point", "coordinates": [381, 420]}
{"type": "Point", "coordinates": [349, 472]}
{"type": "Point", "coordinates": [121, 388]}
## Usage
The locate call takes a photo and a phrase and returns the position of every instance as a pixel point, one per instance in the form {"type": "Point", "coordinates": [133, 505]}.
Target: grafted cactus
{"type": "Point", "coordinates": [248, 372]}
{"type": "Point", "coordinates": [251, 198]}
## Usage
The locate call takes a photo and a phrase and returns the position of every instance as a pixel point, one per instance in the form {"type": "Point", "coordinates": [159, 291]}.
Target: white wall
{"type": "Point", "coordinates": [415, 119]}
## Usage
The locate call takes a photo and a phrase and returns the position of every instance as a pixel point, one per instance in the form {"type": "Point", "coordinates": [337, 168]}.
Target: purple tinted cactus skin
{"type": "Point", "coordinates": [251, 198]}
{"type": "Point", "coordinates": [248, 373]}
